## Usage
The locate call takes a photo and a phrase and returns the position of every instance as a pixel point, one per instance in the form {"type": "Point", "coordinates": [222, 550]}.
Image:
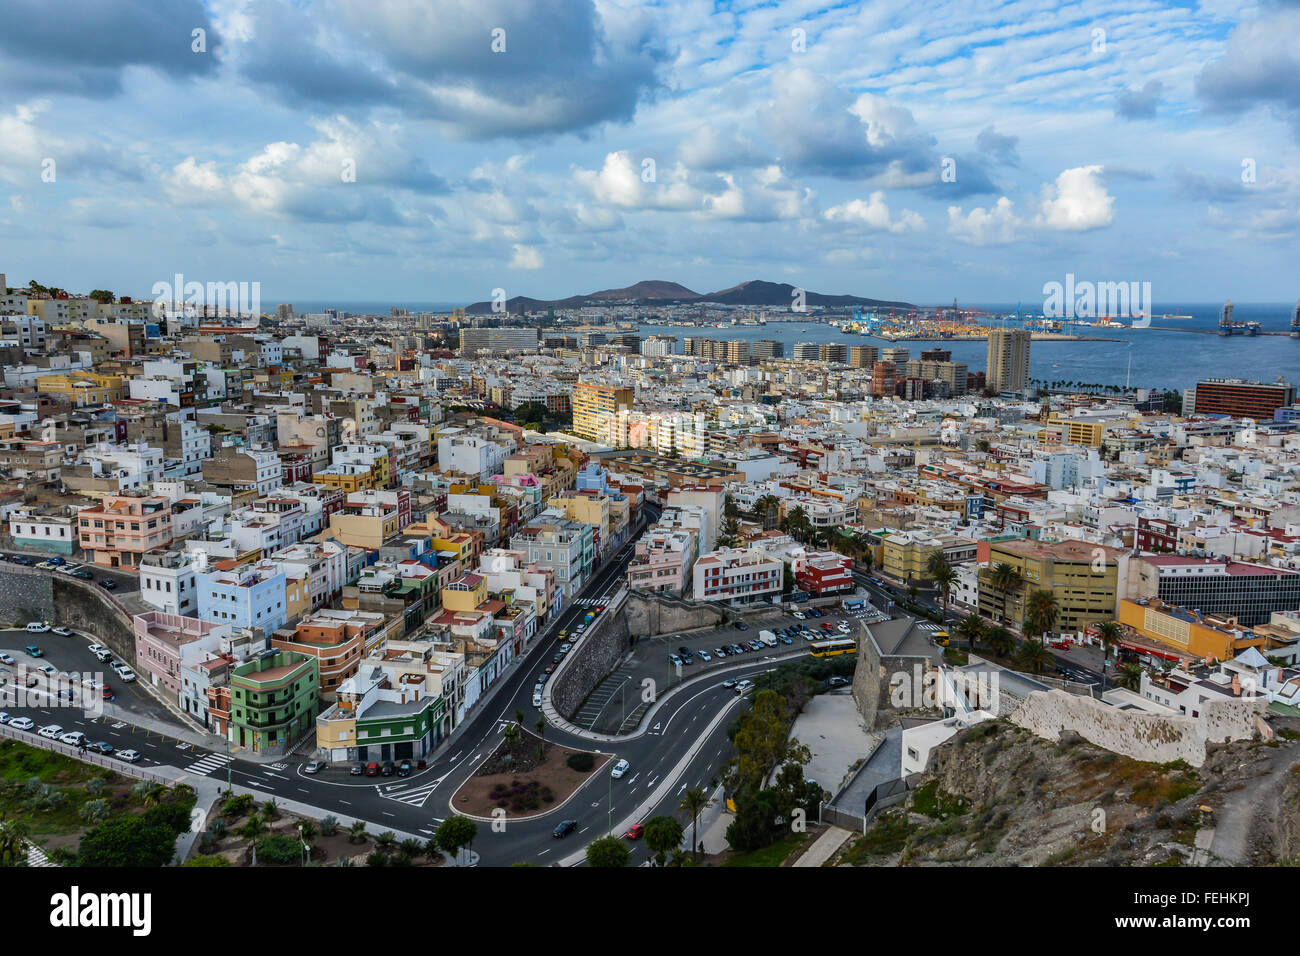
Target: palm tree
{"type": "Point", "coordinates": [971, 628]}
{"type": "Point", "coordinates": [1041, 612]}
{"type": "Point", "coordinates": [999, 640]}
{"type": "Point", "coordinates": [1004, 579]}
{"type": "Point", "coordinates": [796, 523]}
{"type": "Point", "coordinates": [511, 733]}
{"type": "Point", "coordinates": [768, 507]}
{"type": "Point", "coordinates": [1034, 655]}
{"type": "Point", "coordinates": [1129, 676]}
{"type": "Point", "coordinates": [13, 842]}
{"type": "Point", "coordinates": [1110, 633]}
{"type": "Point", "coordinates": [943, 575]}
{"type": "Point", "coordinates": [694, 801]}
{"type": "Point", "coordinates": [357, 832]}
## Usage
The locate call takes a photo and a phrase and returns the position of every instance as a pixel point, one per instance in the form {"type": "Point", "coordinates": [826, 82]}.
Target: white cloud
{"type": "Point", "coordinates": [983, 227]}
{"type": "Point", "coordinates": [526, 257]}
{"type": "Point", "coordinates": [1078, 201]}
{"type": "Point", "coordinates": [874, 213]}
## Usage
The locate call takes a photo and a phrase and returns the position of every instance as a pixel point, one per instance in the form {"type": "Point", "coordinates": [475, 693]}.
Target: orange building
{"type": "Point", "coordinates": [119, 530]}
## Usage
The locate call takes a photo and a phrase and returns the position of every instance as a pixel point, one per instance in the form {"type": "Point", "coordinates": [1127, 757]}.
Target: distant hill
{"type": "Point", "coordinates": [663, 292]}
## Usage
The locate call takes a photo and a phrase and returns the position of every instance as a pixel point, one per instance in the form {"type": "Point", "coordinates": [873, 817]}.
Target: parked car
{"type": "Point", "coordinates": [57, 561]}
{"type": "Point", "coordinates": [404, 768]}
{"type": "Point", "coordinates": [103, 655]}
{"type": "Point", "coordinates": [557, 658]}
{"type": "Point", "coordinates": [95, 648]}
{"type": "Point", "coordinates": [314, 766]}
{"type": "Point", "coordinates": [4, 717]}
{"type": "Point", "coordinates": [719, 652]}
{"type": "Point", "coordinates": [372, 769]}
{"type": "Point", "coordinates": [388, 768]}
{"type": "Point", "coordinates": [620, 768]}
{"type": "Point", "coordinates": [756, 645]}
{"type": "Point", "coordinates": [843, 627]}
{"type": "Point", "coordinates": [61, 631]}
{"type": "Point", "coordinates": [729, 683]}
{"type": "Point", "coordinates": [37, 627]}
{"type": "Point", "coordinates": [542, 678]}
{"type": "Point", "coordinates": [742, 626]}
{"type": "Point", "coordinates": [126, 674]}
{"type": "Point", "coordinates": [22, 559]}
{"type": "Point", "coordinates": [705, 656]}
{"type": "Point", "coordinates": [785, 638]}
{"type": "Point", "coordinates": [800, 615]}
{"type": "Point", "coordinates": [101, 747]}
{"type": "Point", "coordinates": [838, 682]}
{"type": "Point", "coordinates": [736, 649]}
{"type": "Point", "coordinates": [50, 731]}
{"type": "Point", "coordinates": [357, 770]}
{"type": "Point", "coordinates": [74, 738]}
{"type": "Point", "coordinates": [108, 584]}
{"type": "Point", "coordinates": [564, 828]}
{"type": "Point", "coordinates": [130, 756]}
{"type": "Point", "coordinates": [565, 648]}
{"type": "Point", "coordinates": [83, 574]}
{"type": "Point", "coordinates": [635, 832]}
{"type": "Point", "coordinates": [22, 723]}
{"type": "Point", "coordinates": [537, 696]}
{"type": "Point", "coordinates": [6, 659]}
{"type": "Point", "coordinates": [550, 668]}
{"type": "Point", "coordinates": [674, 660]}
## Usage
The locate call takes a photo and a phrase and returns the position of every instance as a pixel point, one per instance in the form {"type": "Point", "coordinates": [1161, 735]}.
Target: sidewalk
{"type": "Point", "coordinates": [823, 847]}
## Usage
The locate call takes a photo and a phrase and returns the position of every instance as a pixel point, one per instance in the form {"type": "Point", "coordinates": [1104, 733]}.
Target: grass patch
{"type": "Point", "coordinates": [773, 855]}
{"type": "Point", "coordinates": [889, 835]}
{"type": "Point", "coordinates": [934, 802]}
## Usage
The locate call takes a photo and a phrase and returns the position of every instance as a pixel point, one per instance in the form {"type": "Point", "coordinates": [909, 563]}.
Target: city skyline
{"type": "Point", "coordinates": [852, 150]}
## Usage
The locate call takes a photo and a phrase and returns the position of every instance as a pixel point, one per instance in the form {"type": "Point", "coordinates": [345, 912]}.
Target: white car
{"type": "Point", "coordinates": [61, 631]}
{"type": "Point", "coordinates": [4, 717]}
{"type": "Point", "coordinates": [73, 737]}
{"type": "Point", "coordinates": [743, 686]}
{"type": "Point", "coordinates": [537, 696]}
{"type": "Point", "coordinates": [51, 731]}
{"type": "Point", "coordinates": [95, 648]}
{"type": "Point", "coordinates": [22, 723]}
{"type": "Point", "coordinates": [130, 756]}
{"type": "Point", "coordinates": [704, 656]}
{"type": "Point", "coordinates": [6, 659]}
{"type": "Point", "coordinates": [843, 627]}
{"type": "Point", "coordinates": [126, 674]}
{"type": "Point", "coordinates": [37, 627]}
{"type": "Point", "coordinates": [49, 670]}
{"type": "Point", "coordinates": [620, 768]}
{"type": "Point", "coordinates": [801, 615]}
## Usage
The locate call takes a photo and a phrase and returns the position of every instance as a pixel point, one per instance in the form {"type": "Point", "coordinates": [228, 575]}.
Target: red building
{"type": "Point", "coordinates": [825, 572]}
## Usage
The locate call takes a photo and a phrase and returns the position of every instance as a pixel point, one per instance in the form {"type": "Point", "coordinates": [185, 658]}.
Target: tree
{"type": "Point", "coordinates": [663, 835]}
{"type": "Point", "coordinates": [761, 741]}
{"type": "Point", "coordinates": [730, 533]}
{"type": "Point", "coordinates": [796, 523]}
{"type": "Point", "coordinates": [1005, 578]}
{"type": "Point", "coordinates": [971, 628]}
{"type": "Point", "coordinates": [755, 826]}
{"type": "Point", "coordinates": [357, 832]}
{"type": "Point", "coordinates": [1041, 613]}
{"type": "Point", "coordinates": [1110, 633]}
{"type": "Point", "coordinates": [608, 851]}
{"type": "Point", "coordinates": [127, 840]}
{"type": "Point", "coordinates": [456, 833]}
{"type": "Point", "coordinates": [694, 801]}
{"type": "Point", "coordinates": [1034, 655]}
{"type": "Point", "coordinates": [769, 508]}
{"type": "Point", "coordinates": [943, 575]}
{"type": "Point", "coordinates": [102, 296]}
{"type": "Point", "coordinates": [999, 640]}
{"type": "Point", "coordinates": [1130, 676]}
{"type": "Point", "coordinates": [13, 843]}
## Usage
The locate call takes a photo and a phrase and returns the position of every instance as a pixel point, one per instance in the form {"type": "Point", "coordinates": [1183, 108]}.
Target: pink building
{"type": "Point", "coordinates": [662, 562]}
{"type": "Point", "coordinates": [159, 638]}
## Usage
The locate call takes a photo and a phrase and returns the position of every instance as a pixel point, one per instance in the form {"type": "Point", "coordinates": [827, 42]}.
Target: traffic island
{"type": "Point", "coordinates": [525, 777]}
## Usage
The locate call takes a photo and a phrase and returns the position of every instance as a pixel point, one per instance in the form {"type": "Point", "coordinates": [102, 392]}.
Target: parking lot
{"type": "Point", "coordinates": [618, 702]}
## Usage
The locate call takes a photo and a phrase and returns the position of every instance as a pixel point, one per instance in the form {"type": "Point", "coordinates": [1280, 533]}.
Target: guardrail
{"type": "Point", "coordinates": [32, 739]}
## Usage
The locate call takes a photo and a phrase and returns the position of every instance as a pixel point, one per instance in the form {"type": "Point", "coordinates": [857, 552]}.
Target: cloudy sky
{"type": "Point", "coordinates": [408, 150]}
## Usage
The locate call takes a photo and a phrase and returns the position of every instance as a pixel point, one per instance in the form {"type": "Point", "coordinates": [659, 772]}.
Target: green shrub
{"type": "Point", "coordinates": [278, 848]}
{"type": "Point", "coordinates": [581, 762]}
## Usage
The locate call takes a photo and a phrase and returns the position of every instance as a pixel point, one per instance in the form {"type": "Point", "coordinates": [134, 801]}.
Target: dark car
{"type": "Point", "coordinates": [557, 658]}
{"type": "Point", "coordinates": [57, 561]}
{"type": "Point", "coordinates": [357, 770]}
{"type": "Point", "coordinates": [564, 828]}
{"type": "Point", "coordinates": [388, 768]}
{"type": "Point", "coordinates": [837, 682]}
{"type": "Point", "coordinates": [101, 747]}
{"type": "Point", "coordinates": [372, 769]}
{"type": "Point", "coordinates": [736, 649]}
{"type": "Point", "coordinates": [107, 584]}
{"type": "Point", "coordinates": [22, 559]}
{"type": "Point", "coordinates": [785, 638]}
{"type": "Point", "coordinates": [404, 768]}
{"type": "Point", "coordinates": [83, 574]}
{"type": "Point", "coordinates": [742, 626]}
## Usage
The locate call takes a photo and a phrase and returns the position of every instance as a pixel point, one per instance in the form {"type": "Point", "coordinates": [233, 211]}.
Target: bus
{"type": "Point", "coordinates": [941, 638]}
{"type": "Point", "coordinates": [846, 645]}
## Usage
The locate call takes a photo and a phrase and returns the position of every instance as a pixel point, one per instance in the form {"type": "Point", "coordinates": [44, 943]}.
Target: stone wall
{"type": "Point", "coordinates": [649, 615]}
{"type": "Point", "coordinates": [39, 595]}
{"type": "Point", "coordinates": [598, 653]}
{"type": "Point", "coordinates": [872, 677]}
{"type": "Point", "coordinates": [1155, 738]}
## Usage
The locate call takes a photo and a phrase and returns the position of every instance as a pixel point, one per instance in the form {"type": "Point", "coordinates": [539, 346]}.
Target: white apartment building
{"type": "Point", "coordinates": [737, 576]}
{"type": "Point", "coordinates": [167, 582]}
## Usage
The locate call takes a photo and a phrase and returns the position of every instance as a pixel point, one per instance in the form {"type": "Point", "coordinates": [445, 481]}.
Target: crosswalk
{"type": "Point", "coordinates": [414, 796]}
{"type": "Point", "coordinates": [207, 764]}
{"type": "Point", "coordinates": [36, 856]}
{"type": "Point", "coordinates": [589, 601]}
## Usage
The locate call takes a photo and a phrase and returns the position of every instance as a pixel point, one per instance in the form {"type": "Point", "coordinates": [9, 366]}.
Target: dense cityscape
{"type": "Point", "coordinates": [695, 441]}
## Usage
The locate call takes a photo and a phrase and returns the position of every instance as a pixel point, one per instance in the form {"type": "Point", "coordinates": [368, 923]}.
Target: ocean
{"type": "Point", "coordinates": [1160, 359]}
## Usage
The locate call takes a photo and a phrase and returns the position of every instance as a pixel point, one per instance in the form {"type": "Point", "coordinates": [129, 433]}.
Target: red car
{"type": "Point", "coordinates": [1061, 645]}
{"type": "Point", "coordinates": [635, 831]}
{"type": "Point", "coordinates": [372, 769]}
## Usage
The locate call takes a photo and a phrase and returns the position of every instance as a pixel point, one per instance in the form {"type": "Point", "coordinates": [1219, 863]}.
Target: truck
{"type": "Point", "coordinates": [768, 638]}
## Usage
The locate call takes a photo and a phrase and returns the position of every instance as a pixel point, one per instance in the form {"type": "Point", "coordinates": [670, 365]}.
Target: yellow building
{"type": "Point", "coordinates": [465, 594]}
{"type": "Point", "coordinates": [596, 407]}
{"type": "Point", "coordinates": [364, 527]}
{"type": "Point", "coordinates": [590, 509]}
{"type": "Point", "coordinates": [1185, 631]}
{"type": "Point", "coordinates": [1082, 576]}
{"type": "Point", "coordinates": [83, 388]}
{"type": "Point", "coordinates": [1076, 431]}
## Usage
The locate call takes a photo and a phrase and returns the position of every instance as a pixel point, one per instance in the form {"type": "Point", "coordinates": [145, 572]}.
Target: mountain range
{"type": "Point", "coordinates": [662, 292]}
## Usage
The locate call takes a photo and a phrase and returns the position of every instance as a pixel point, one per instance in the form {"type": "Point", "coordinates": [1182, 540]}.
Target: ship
{"type": "Point", "coordinates": [1295, 322]}
{"type": "Point", "coordinates": [1227, 326]}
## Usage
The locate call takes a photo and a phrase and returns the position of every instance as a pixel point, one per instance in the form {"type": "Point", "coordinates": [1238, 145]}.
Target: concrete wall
{"type": "Point", "coordinates": [1156, 738]}
{"type": "Point", "coordinates": [649, 615]}
{"type": "Point", "coordinates": [871, 682]}
{"type": "Point", "coordinates": [67, 601]}
{"type": "Point", "coordinates": [598, 653]}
